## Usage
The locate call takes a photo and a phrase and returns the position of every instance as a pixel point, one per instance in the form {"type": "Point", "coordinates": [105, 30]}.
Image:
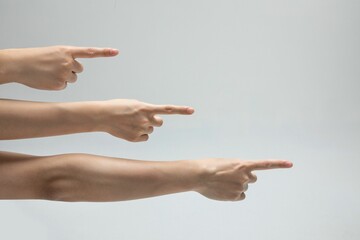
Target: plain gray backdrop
{"type": "Point", "coordinates": [268, 79]}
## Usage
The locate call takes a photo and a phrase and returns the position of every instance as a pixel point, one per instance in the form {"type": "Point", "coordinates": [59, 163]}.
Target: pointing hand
{"type": "Point", "coordinates": [48, 68]}
{"type": "Point", "coordinates": [225, 179]}
{"type": "Point", "coordinates": [133, 120]}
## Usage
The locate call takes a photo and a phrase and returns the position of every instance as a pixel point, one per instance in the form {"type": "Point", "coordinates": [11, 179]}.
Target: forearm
{"type": "Point", "coordinates": [24, 119]}
{"type": "Point", "coordinates": [82, 177]}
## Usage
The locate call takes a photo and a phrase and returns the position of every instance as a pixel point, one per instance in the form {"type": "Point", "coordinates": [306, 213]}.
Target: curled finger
{"type": "Point", "coordinates": [149, 130]}
{"type": "Point", "coordinates": [60, 85]}
{"type": "Point", "coordinates": [143, 138]}
{"type": "Point", "coordinates": [72, 78]}
{"type": "Point", "coordinates": [252, 178]}
{"type": "Point", "coordinates": [156, 121]}
{"type": "Point", "coordinates": [77, 67]}
{"type": "Point", "coordinates": [241, 197]}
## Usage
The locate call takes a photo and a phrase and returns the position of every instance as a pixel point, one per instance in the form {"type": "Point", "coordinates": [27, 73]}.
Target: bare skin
{"type": "Point", "coordinates": [131, 120]}
{"type": "Point", "coordinates": [47, 68]}
{"type": "Point", "coordinates": [83, 177]}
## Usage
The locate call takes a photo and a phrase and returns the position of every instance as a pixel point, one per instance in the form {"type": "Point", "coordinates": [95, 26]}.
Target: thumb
{"type": "Point", "coordinates": [90, 52]}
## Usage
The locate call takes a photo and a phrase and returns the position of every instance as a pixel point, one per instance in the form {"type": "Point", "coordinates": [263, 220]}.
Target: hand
{"type": "Point", "coordinates": [228, 179]}
{"type": "Point", "coordinates": [48, 68]}
{"type": "Point", "coordinates": [133, 120]}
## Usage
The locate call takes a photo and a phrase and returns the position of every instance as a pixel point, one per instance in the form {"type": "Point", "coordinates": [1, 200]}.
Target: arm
{"type": "Point", "coordinates": [49, 68]}
{"type": "Point", "coordinates": [128, 119]}
{"type": "Point", "coordinates": [82, 177]}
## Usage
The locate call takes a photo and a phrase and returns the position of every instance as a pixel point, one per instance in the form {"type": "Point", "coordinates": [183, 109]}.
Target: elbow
{"type": "Point", "coordinates": [59, 182]}
{"type": "Point", "coordinates": [58, 190]}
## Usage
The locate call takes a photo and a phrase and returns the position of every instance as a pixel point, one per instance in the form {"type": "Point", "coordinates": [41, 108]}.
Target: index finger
{"type": "Point", "coordinates": [171, 109]}
{"type": "Point", "coordinates": [90, 52]}
{"type": "Point", "coordinates": [269, 164]}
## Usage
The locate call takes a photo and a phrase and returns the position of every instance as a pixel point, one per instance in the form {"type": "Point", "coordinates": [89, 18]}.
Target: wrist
{"type": "Point", "coordinates": [4, 67]}
{"type": "Point", "coordinates": [11, 66]}
{"type": "Point", "coordinates": [192, 174]}
{"type": "Point", "coordinates": [83, 116]}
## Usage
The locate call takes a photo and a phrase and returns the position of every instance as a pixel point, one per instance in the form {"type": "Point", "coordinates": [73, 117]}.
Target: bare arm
{"type": "Point", "coordinates": [83, 177]}
{"type": "Point", "coordinates": [127, 119]}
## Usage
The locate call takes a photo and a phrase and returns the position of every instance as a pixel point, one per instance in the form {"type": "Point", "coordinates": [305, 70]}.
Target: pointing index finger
{"type": "Point", "coordinates": [171, 109]}
{"type": "Point", "coordinates": [269, 164]}
{"type": "Point", "coordinates": [90, 52]}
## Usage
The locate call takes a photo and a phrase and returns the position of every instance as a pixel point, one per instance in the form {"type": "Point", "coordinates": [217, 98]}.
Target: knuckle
{"type": "Point", "coordinates": [241, 187]}
{"type": "Point", "coordinates": [62, 48]}
{"type": "Point", "coordinates": [151, 129]}
{"type": "Point", "coordinates": [230, 195]}
{"type": "Point", "coordinates": [138, 130]}
{"type": "Point", "coordinates": [241, 197]}
{"type": "Point", "coordinates": [67, 64]}
{"type": "Point", "coordinates": [106, 52]}
{"type": "Point", "coordinates": [62, 77]}
{"type": "Point", "coordinates": [136, 105]}
{"type": "Point", "coordinates": [234, 196]}
{"type": "Point", "coordinates": [240, 167]}
{"type": "Point", "coordinates": [59, 85]}
{"type": "Point", "coordinates": [246, 179]}
{"type": "Point", "coordinates": [145, 122]}
{"type": "Point", "coordinates": [169, 108]}
{"type": "Point", "coordinates": [142, 138]}
{"type": "Point", "coordinates": [134, 101]}
{"type": "Point", "coordinates": [132, 138]}
{"type": "Point", "coordinates": [142, 124]}
{"type": "Point", "coordinates": [90, 51]}
{"type": "Point", "coordinates": [142, 107]}
{"type": "Point", "coordinates": [267, 164]}
{"type": "Point", "coordinates": [63, 51]}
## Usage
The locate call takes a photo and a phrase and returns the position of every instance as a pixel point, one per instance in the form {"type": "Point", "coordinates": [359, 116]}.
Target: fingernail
{"type": "Point", "coordinates": [288, 164]}
{"type": "Point", "coordinates": [114, 52]}
{"type": "Point", "coordinates": [190, 110]}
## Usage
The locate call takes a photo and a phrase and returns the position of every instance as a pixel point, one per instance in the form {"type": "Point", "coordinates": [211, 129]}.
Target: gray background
{"type": "Point", "coordinates": [268, 79]}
